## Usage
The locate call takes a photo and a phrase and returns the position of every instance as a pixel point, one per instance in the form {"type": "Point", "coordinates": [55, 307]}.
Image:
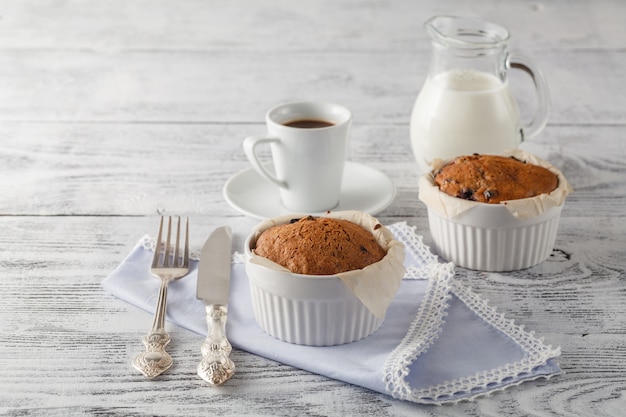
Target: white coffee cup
{"type": "Point", "coordinates": [308, 161]}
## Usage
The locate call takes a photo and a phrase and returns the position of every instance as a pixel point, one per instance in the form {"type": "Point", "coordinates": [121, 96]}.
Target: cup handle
{"type": "Point", "coordinates": [540, 119]}
{"type": "Point", "coordinates": [249, 145]}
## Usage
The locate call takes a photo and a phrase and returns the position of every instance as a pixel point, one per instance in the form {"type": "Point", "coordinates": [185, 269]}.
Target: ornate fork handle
{"type": "Point", "coordinates": [155, 360]}
{"type": "Point", "coordinates": [216, 367]}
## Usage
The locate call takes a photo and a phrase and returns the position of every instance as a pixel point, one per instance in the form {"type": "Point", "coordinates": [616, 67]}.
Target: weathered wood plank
{"type": "Point", "coordinates": [347, 25]}
{"type": "Point", "coordinates": [219, 86]}
{"type": "Point", "coordinates": [139, 169]}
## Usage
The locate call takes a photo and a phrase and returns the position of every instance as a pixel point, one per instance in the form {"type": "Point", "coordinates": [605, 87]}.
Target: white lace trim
{"type": "Point", "coordinates": [424, 263]}
{"type": "Point", "coordinates": [239, 258]}
{"type": "Point", "coordinates": [426, 328]}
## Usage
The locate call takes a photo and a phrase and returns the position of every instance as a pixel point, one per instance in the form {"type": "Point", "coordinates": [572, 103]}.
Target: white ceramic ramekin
{"type": "Point", "coordinates": [314, 310]}
{"type": "Point", "coordinates": [490, 237]}
{"type": "Point", "coordinates": [308, 309]}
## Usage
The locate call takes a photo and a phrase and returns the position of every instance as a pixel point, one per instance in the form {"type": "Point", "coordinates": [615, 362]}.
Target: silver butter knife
{"type": "Point", "coordinates": [213, 286]}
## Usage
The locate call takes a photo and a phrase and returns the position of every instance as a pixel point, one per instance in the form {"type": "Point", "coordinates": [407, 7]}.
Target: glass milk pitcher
{"type": "Point", "coordinates": [465, 105]}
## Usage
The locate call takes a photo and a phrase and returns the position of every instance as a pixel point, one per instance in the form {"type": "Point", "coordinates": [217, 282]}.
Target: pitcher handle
{"type": "Point", "coordinates": [249, 145]}
{"type": "Point", "coordinates": [540, 119]}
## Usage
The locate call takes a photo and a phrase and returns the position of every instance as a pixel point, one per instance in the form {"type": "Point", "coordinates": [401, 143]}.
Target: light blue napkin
{"type": "Point", "coordinates": [439, 343]}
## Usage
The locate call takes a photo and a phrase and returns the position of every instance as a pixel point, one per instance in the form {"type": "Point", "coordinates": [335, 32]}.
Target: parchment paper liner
{"type": "Point", "coordinates": [375, 285]}
{"type": "Point", "coordinates": [449, 207]}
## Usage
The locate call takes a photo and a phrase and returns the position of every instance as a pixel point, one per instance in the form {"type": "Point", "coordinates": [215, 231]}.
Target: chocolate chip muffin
{"type": "Point", "coordinates": [493, 179]}
{"type": "Point", "coordinates": [319, 246]}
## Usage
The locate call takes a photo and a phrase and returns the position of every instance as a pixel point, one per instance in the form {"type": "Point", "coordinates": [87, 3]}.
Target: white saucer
{"type": "Point", "coordinates": [363, 189]}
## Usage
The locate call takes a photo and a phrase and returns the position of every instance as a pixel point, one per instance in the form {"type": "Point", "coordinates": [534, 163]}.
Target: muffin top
{"type": "Point", "coordinates": [493, 179]}
{"type": "Point", "coordinates": [319, 246]}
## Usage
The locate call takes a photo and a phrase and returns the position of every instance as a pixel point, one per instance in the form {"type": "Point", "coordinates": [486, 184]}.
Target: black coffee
{"type": "Point", "coordinates": [308, 123]}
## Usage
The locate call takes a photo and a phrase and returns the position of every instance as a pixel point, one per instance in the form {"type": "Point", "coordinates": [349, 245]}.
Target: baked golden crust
{"type": "Point", "coordinates": [492, 179]}
{"type": "Point", "coordinates": [319, 246]}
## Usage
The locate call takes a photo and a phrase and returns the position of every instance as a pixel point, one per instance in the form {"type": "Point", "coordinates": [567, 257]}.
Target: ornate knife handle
{"type": "Point", "coordinates": [216, 367]}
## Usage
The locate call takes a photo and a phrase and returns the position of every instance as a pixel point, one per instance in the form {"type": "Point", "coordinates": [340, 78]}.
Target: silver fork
{"type": "Point", "coordinates": [168, 264]}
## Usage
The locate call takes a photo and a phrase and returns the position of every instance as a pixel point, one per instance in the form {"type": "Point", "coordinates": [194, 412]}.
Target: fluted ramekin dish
{"type": "Point", "coordinates": [321, 310]}
{"type": "Point", "coordinates": [509, 236]}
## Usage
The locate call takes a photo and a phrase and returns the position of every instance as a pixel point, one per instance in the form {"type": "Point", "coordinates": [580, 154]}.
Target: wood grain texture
{"type": "Point", "coordinates": [207, 86]}
{"type": "Point", "coordinates": [114, 112]}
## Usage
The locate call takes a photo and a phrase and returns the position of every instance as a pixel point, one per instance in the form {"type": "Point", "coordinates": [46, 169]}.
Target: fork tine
{"type": "Point", "coordinates": [186, 256]}
{"type": "Point", "coordinates": [168, 247]}
{"type": "Point", "coordinates": [157, 249]}
{"type": "Point", "coordinates": [176, 254]}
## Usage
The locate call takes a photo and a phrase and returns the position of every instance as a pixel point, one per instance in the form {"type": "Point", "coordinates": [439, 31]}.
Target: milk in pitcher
{"type": "Point", "coordinates": [460, 112]}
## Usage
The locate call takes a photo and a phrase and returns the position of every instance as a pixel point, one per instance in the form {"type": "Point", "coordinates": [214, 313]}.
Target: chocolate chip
{"type": "Point", "coordinates": [378, 226]}
{"type": "Point", "coordinates": [467, 194]}
{"type": "Point", "coordinates": [363, 249]}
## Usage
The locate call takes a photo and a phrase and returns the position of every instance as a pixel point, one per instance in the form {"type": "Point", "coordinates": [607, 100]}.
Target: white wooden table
{"type": "Point", "coordinates": [113, 112]}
